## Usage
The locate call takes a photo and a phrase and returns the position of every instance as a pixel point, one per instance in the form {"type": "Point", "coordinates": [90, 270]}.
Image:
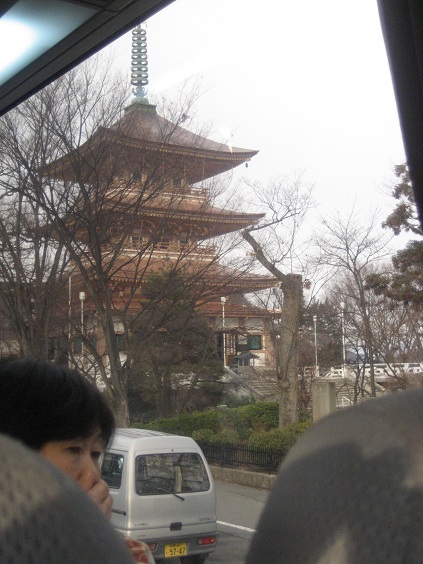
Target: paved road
{"type": "Point", "coordinates": [238, 511]}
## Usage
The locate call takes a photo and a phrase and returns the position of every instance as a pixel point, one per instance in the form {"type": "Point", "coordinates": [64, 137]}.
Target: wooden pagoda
{"type": "Point", "coordinates": [149, 183]}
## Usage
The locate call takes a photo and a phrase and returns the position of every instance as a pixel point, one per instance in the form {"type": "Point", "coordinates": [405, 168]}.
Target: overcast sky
{"type": "Point", "coordinates": [306, 83]}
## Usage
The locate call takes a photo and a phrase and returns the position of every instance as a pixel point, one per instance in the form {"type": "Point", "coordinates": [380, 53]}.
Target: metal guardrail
{"type": "Point", "coordinates": [241, 456]}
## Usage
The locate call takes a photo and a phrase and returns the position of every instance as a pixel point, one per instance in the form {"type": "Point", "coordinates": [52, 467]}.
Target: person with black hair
{"type": "Point", "coordinates": [59, 413]}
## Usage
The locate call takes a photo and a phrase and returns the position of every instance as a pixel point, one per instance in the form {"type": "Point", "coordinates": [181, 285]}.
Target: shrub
{"type": "Point", "coordinates": [185, 423]}
{"type": "Point", "coordinates": [281, 439]}
{"type": "Point", "coordinates": [227, 436]}
{"type": "Point", "coordinates": [234, 402]}
{"type": "Point", "coordinates": [257, 417]}
{"type": "Point", "coordinates": [204, 435]}
{"type": "Point", "coordinates": [241, 421]}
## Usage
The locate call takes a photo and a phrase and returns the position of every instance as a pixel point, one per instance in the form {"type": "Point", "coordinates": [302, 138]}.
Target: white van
{"type": "Point", "coordinates": [163, 493]}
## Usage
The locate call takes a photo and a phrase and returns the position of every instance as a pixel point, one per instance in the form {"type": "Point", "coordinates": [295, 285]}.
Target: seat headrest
{"type": "Point", "coordinates": [47, 518]}
{"type": "Point", "coordinates": [350, 490]}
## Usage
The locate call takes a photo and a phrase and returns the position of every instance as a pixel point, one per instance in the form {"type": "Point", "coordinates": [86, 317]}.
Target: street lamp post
{"type": "Point", "coordinates": [342, 304]}
{"type": "Point", "coordinates": [223, 301]}
{"type": "Point", "coordinates": [70, 320]}
{"type": "Point", "coordinates": [315, 345]}
{"type": "Point", "coordinates": [81, 299]}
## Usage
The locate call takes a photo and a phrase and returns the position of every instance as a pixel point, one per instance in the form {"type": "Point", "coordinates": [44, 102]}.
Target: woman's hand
{"type": "Point", "coordinates": [98, 491]}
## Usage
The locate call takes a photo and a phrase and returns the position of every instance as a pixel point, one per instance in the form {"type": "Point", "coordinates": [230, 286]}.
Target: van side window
{"type": "Point", "coordinates": [170, 473]}
{"type": "Point", "coordinates": [111, 469]}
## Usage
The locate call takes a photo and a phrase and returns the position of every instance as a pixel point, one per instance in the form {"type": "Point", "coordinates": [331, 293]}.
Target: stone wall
{"type": "Point", "coordinates": [244, 477]}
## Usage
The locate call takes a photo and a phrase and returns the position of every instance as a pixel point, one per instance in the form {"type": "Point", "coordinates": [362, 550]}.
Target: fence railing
{"type": "Point", "coordinates": [240, 456]}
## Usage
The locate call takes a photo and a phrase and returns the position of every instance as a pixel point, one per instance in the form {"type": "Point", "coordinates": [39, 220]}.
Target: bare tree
{"type": "Point", "coordinates": [33, 265]}
{"type": "Point", "coordinates": [396, 334]}
{"type": "Point", "coordinates": [112, 192]}
{"type": "Point", "coordinates": [274, 243]}
{"type": "Point", "coordinates": [320, 346]}
{"type": "Point", "coordinates": [349, 247]}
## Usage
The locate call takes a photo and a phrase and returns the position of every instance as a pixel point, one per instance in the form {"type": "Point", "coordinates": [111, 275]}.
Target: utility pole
{"type": "Point", "coordinates": [81, 299]}
{"type": "Point", "coordinates": [223, 301]}
{"type": "Point", "coordinates": [316, 373]}
{"type": "Point", "coordinates": [344, 359]}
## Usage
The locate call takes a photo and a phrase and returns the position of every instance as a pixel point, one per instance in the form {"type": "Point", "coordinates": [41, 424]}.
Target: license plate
{"type": "Point", "coordinates": [175, 549]}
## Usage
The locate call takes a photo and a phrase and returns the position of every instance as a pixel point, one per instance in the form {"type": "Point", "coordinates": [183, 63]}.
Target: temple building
{"type": "Point", "coordinates": [151, 183]}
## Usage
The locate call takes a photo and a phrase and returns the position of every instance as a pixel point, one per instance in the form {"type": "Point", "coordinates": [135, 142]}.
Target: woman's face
{"type": "Point", "coordinates": [78, 458]}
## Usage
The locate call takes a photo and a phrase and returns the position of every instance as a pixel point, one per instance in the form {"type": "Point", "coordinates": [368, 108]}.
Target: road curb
{"type": "Point", "coordinates": [243, 477]}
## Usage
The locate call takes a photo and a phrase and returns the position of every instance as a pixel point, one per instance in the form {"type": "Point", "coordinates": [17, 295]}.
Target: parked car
{"type": "Point", "coordinates": [163, 493]}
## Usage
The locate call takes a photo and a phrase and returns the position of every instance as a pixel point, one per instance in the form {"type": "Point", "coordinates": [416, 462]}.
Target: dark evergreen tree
{"type": "Point", "coordinates": [405, 282]}
{"type": "Point", "coordinates": [177, 366]}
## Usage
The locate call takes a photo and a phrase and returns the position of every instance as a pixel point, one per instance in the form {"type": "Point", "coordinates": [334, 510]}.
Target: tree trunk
{"type": "Point", "coordinates": [291, 286]}
{"type": "Point", "coordinates": [120, 409]}
{"type": "Point", "coordinates": [292, 290]}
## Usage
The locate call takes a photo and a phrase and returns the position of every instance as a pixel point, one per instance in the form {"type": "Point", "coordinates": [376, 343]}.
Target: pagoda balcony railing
{"type": "Point", "coordinates": [175, 250]}
{"type": "Point", "coordinates": [177, 246]}
{"type": "Point", "coordinates": [185, 193]}
{"type": "Point", "coordinates": [206, 249]}
{"type": "Point", "coordinates": [164, 189]}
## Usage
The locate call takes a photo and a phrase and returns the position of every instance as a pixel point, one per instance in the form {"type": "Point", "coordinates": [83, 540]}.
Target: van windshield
{"type": "Point", "coordinates": [170, 473]}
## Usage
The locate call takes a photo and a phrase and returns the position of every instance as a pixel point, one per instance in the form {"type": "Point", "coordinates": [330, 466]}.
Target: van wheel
{"type": "Point", "coordinates": [194, 559]}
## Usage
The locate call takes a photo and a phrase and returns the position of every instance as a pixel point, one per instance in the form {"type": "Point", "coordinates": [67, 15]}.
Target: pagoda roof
{"type": "Point", "coordinates": [142, 124]}
{"type": "Point", "coordinates": [236, 304]}
{"type": "Point", "coordinates": [143, 129]}
{"type": "Point", "coordinates": [197, 211]}
{"type": "Point", "coordinates": [221, 279]}
{"type": "Point", "coordinates": [234, 281]}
